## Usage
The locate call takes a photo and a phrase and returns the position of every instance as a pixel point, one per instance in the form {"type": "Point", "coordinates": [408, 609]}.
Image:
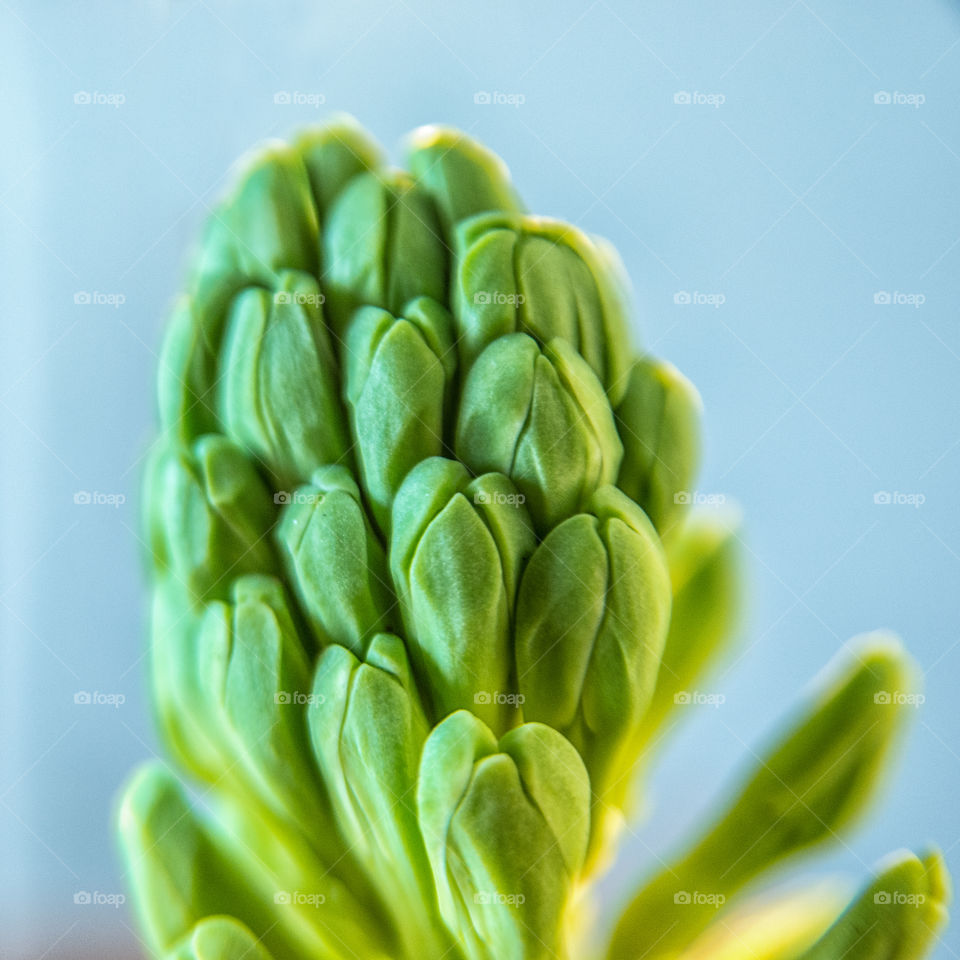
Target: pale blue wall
{"type": "Point", "coordinates": [797, 199]}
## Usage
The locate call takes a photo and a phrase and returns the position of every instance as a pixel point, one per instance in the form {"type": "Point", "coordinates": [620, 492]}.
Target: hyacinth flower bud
{"type": "Point", "coordinates": [659, 424]}
{"type": "Point", "coordinates": [456, 551]}
{"type": "Point", "coordinates": [382, 247]}
{"type": "Point", "coordinates": [279, 387]}
{"type": "Point", "coordinates": [462, 176]}
{"type": "Point", "coordinates": [592, 615]}
{"type": "Point", "coordinates": [208, 517]}
{"type": "Point", "coordinates": [398, 377]}
{"type": "Point", "coordinates": [334, 561]}
{"type": "Point", "coordinates": [540, 416]}
{"type": "Point", "coordinates": [367, 728]}
{"type": "Point", "coordinates": [505, 826]}
{"type": "Point", "coordinates": [545, 278]}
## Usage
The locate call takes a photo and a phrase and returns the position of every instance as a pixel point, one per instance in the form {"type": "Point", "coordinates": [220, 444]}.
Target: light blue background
{"type": "Point", "coordinates": [798, 199]}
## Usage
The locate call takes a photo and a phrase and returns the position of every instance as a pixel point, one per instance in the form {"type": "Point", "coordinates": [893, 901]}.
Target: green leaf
{"type": "Point", "coordinates": [659, 424]}
{"type": "Point", "coordinates": [334, 561]}
{"type": "Point", "coordinates": [398, 374]}
{"type": "Point", "coordinates": [382, 247]}
{"type": "Point", "coordinates": [592, 615]}
{"type": "Point", "coordinates": [456, 551]}
{"type": "Point", "coordinates": [506, 829]}
{"type": "Point", "coordinates": [807, 788]}
{"type": "Point", "coordinates": [462, 176]}
{"type": "Point", "coordinates": [545, 278]}
{"type": "Point", "coordinates": [897, 917]}
{"type": "Point", "coordinates": [540, 416]}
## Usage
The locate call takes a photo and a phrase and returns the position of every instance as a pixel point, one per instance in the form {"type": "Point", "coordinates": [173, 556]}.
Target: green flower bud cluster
{"type": "Point", "coordinates": [427, 593]}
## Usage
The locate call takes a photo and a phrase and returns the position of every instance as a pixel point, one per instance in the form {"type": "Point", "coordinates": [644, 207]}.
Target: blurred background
{"type": "Point", "coordinates": [782, 179]}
